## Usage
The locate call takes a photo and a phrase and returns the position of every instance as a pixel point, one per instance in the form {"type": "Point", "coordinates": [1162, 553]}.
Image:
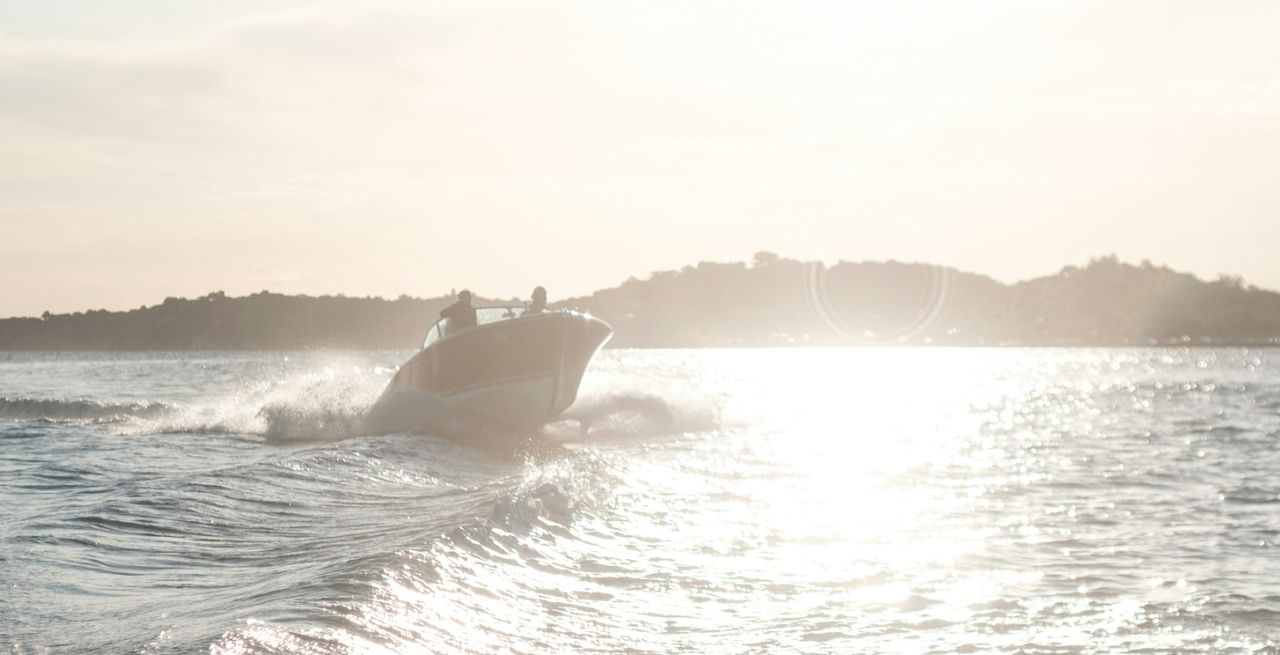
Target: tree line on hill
{"type": "Point", "coordinates": [772, 301]}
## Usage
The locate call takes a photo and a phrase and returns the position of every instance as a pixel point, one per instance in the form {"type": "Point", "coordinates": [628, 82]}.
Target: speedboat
{"type": "Point", "coordinates": [515, 370]}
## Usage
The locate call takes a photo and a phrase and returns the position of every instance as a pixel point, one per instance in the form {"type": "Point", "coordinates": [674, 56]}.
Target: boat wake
{"type": "Point", "coordinates": [79, 411]}
{"type": "Point", "coordinates": [619, 412]}
{"type": "Point", "coordinates": [315, 406]}
{"type": "Point", "coordinates": [629, 414]}
{"type": "Point", "coordinates": [294, 423]}
{"type": "Point", "coordinates": [319, 405]}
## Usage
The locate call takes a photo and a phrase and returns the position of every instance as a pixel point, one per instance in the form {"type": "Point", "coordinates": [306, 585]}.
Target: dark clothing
{"type": "Point", "coordinates": [539, 301]}
{"type": "Point", "coordinates": [461, 316]}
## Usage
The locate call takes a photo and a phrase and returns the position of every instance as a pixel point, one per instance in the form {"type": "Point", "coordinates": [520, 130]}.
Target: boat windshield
{"type": "Point", "coordinates": [484, 316]}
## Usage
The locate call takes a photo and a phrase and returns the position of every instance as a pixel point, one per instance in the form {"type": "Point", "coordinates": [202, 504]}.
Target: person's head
{"type": "Point", "coordinates": [465, 297]}
{"type": "Point", "coordinates": [539, 294]}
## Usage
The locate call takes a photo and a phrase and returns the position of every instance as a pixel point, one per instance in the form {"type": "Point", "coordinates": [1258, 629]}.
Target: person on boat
{"type": "Point", "coordinates": [461, 314]}
{"type": "Point", "coordinates": [539, 303]}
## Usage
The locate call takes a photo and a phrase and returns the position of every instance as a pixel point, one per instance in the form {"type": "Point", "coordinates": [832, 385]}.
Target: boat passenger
{"type": "Point", "coordinates": [461, 314]}
{"type": "Point", "coordinates": [539, 303]}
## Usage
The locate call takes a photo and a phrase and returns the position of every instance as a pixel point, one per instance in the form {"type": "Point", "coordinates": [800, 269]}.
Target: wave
{"type": "Point", "coordinates": [636, 414]}
{"type": "Point", "coordinates": [78, 410]}
{"type": "Point", "coordinates": [316, 406]}
{"type": "Point", "coordinates": [486, 532]}
{"type": "Point", "coordinates": [319, 405]}
{"type": "Point", "coordinates": [624, 413]}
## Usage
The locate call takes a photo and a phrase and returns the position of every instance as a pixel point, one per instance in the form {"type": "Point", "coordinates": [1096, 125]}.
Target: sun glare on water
{"type": "Point", "coordinates": [851, 454]}
{"type": "Point", "coordinates": [877, 499]}
{"type": "Point", "coordinates": [846, 491]}
{"type": "Point", "coordinates": [833, 476]}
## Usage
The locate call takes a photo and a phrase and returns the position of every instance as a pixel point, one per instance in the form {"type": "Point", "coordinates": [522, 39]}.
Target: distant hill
{"type": "Point", "coordinates": [261, 321]}
{"type": "Point", "coordinates": [776, 301]}
{"type": "Point", "coordinates": [772, 301]}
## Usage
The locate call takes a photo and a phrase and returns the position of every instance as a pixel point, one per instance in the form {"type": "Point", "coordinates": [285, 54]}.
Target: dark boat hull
{"type": "Point", "coordinates": [517, 373]}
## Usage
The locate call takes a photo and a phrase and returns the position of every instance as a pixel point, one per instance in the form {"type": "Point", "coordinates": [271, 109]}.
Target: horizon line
{"type": "Point", "coordinates": [757, 262]}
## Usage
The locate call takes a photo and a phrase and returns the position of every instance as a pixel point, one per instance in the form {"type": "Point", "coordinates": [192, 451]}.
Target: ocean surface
{"type": "Point", "coordinates": [873, 500]}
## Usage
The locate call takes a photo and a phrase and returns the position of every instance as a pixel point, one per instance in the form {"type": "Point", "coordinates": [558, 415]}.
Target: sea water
{"type": "Point", "coordinates": [695, 501]}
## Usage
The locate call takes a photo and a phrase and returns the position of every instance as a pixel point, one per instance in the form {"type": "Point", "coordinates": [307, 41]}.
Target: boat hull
{"type": "Point", "coordinates": [518, 373]}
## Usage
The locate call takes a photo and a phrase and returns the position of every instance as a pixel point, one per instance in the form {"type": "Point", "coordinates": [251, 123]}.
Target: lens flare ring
{"type": "Point", "coordinates": [926, 313]}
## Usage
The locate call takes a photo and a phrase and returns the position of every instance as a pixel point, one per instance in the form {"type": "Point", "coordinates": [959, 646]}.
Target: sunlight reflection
{"type": "Point", "coordinates": [876, 489]}
{"type": "Point", "coordinates": [850, 486]}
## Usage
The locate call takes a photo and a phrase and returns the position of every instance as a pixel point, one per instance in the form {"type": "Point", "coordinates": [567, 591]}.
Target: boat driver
{"type": "Point", "coordinates": [461, 314]}
{"type": "Point", "coordinates": [539, 303]}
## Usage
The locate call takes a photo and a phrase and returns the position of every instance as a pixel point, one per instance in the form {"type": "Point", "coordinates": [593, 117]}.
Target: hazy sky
{"type": "Point", "coordinates": [169, 148]}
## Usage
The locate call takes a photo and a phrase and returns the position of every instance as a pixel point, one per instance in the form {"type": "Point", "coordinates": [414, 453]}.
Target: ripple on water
{"type": "Point", "coordinates": [916, 501]}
